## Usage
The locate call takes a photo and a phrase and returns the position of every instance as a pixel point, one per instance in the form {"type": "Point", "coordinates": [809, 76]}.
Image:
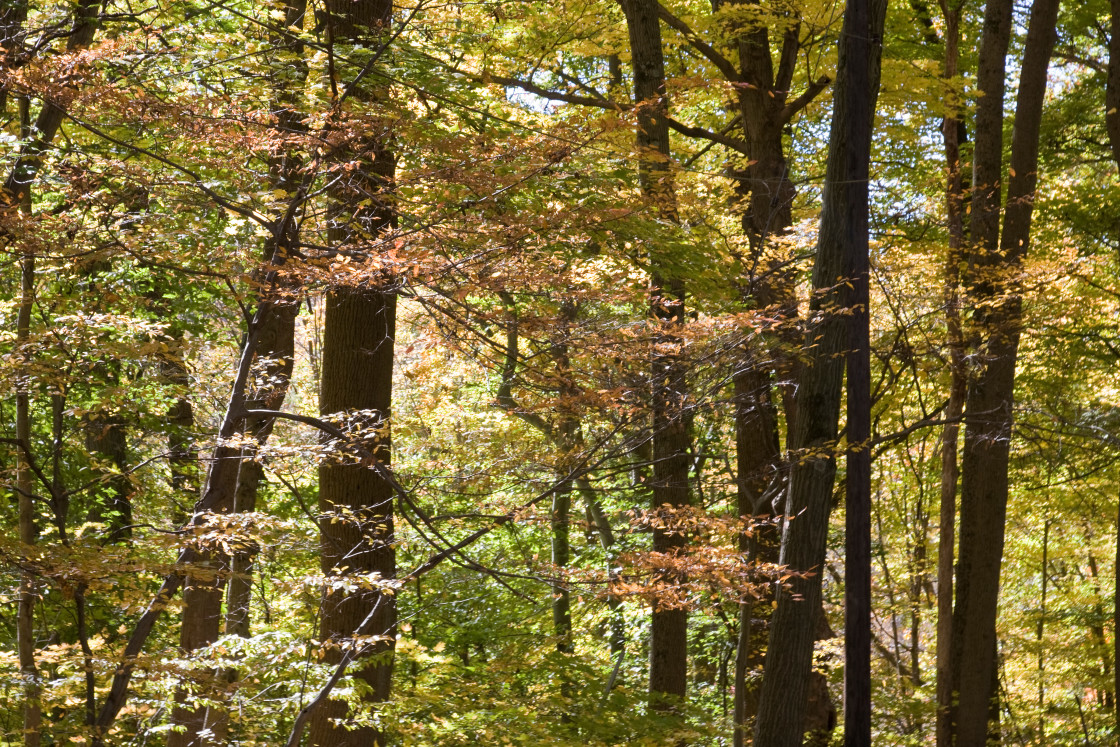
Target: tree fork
{"type": "Point", "coordinates": [990, 399]}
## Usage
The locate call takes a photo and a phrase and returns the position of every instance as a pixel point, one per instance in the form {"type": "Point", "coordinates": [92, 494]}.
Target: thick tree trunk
{"type": "Point", "coordinates": [766, 195]}
{"type": "Point", "coordinates": [988, 406]}
{"type": "Point", "coordinates": [1112, 87]}
{"type": "Point", "coordinates": [1112, 122]}
{"type": "Point", "coordinates": [859, 48]}
{"type": "Point", "coordinates": [356, 502]}
{"type": "Point", "coordinates": [843, 233]}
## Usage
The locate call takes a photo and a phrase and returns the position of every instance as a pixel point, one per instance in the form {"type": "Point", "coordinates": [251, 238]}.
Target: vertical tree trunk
{"type": "Point", "coordinates": [1116, 625]}
{"type": "Point", "coordinates": [766, 196]}
{"type": "Point", "coordinates": [843, 233]}
{"type": "Point", "coordinates": [278, 338]}
{"type": "Point", "coordinates": [356, 501]}
{"type": "Point", "coordinates": [25, 485]}
{"type": "Point", "coordinates": [272, 363]}
{"type": "Point", "coordinates": [1112, 88]}
{"type": "Point", "coordinates": [1039, 633]}
{"type": "Point", "coordinates": [17, 193]}
{"type": "Point", "coordinates": [670, 421]}
{"type": "Point", "coordinates": [988, 407]}
{"type": "Point", "coordinates": [857, 51]}
{"type": "Point", "coordinates": [357, 504]}
{"type": "Point", "coordinates": [1112, 123]}
{"type": "Point", "coordinates": [567, 433]}
{"type": "Point", "coordinates": [947, 514]}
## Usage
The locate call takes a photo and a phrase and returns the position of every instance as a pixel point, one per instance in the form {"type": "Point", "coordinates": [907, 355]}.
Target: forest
{"type": "Point", "coordinates": [581, 372]}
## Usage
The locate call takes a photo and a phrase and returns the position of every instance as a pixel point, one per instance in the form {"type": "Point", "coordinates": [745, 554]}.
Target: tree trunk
{"type": "Point", "coordinates": [277, 344]}
{"type": "Point", "coordinates": [670, 420]}
{"type": "Point", "coordinates": [1112, 88]}
{"type": "Point", "coordinates": [988, 406]}
{"type": "Point", "coordinates": [567, 433]}
{"type": "Point", "coordinates": [859, 47]}
{"type": "Point", "coordinates": [843, 233]}
{"type": "Point", "coordinates": [25, 485]}
{"type": "Point", "coordinates": [766, 195]}
{"type": "Point", "coordinates": [1116, 625]}
{"type": "Point", "coordinates": [356, 501]}
{"type": "Point", "coordinates": [272, 362]}
{"type": "Point", "coordinates": [17, 190]}
{"type": "Point", "coordinates": [950, 473]}
{"type": "Point", "coordinates": [357, 376]}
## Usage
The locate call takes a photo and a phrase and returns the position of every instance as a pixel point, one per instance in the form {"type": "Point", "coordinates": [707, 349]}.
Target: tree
{"type": "Point", "coordinates": [356, 499]}
{"type": "Point", "coordinates": [994, 260]}
{"type": "Point", "coordinates": [842, 245]}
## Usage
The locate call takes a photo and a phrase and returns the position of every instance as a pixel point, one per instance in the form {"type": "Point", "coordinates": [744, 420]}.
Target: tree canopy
{"type": "Point", "coordinates": [644, 372]}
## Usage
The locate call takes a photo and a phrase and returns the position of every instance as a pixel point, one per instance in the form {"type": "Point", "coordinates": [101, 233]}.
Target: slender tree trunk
{"type": "Point", "coordinates": [1039, 634]}
{"type": "Point", "coordinates": [25, 485]}
{"type": "Point", "coordinates": [107, 441]}
{"type": "Point", "coordinates": [17, 190]}
{"type": "Point", "coordinates": [272, 362]}
{"type": "Point", "coordinates": [182, 456]}
{"type": "Point", "coordinates": [947, 518]}
{"type": "Point", "coordinates": [1116, 625]}
{"type": "Point", "coordinates": [278, 338]}
{"type": "Point", "coordinates": [1096, 628]}
{"type": "Point", "coordinates": [670, 419]}
{"type": "Point", "coordinates": [988, 406]}
{"type": "Point", "coordinates": [356, 502]}
{"type": "Point", "coordinates": [843, 233]}
{"type": "Point", "coordinates": [568, 431]}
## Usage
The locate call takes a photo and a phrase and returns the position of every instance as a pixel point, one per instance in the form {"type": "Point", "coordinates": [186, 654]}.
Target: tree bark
{"type": "Point", "coordinates": [670, 419]}
{"type": "Point", "coordinates": [17, 193]}
{"type": "Point", "coordinates": [357, 504]}
{"type": "Point", "coordinates": [766, 194]}
{"type": "Point", "coordinates": [25, 485]}
{"type": "Point", "coordinates": [355, 501]}
{"type": "Point", "coordinates": [859, 48]}
{"type": "Point", "coordinates": [958, 386]}
{"type": "Point", "coordinates": [272, 363]}
{"type": "Point", "coordinates": [843, 233]}
{"type": "Point", "coordinates": [995, 263]}
{"type": "Point", "coordinates": [278, 338]}
{"type": "Point", "coordinates": [1112, 89]}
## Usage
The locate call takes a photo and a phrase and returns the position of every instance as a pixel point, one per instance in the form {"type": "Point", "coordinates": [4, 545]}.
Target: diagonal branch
{"type": "Point", "coordinates": [789, 110]}
{"type": "Point", "coordinates": [721, 63]}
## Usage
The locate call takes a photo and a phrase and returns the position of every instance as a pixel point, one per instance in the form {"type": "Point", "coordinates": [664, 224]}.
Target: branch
{"type": "Point", "coordinates": [722, 63]}
{"type": "Point", "coordinates": [599, 102]}
{"type": "Point", "coordinates": [799, 103]}
{"type": "Point", "coordinates": [295, 736]}
{"type": "Point", "coordinates": [791, 45]}
{"type": "Point", "coordinates": [706, 134]}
